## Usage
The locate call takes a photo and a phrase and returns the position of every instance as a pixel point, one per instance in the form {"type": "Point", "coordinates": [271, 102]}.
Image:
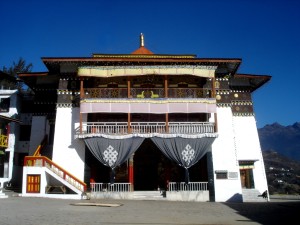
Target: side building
{"type": "Point", "coordinates": [119, 124]}
{"type": "Point", "coordinates": [10, 122]}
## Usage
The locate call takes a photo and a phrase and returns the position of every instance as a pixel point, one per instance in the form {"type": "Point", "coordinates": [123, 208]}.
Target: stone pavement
{"type": "Point", "coordinates": [41, 211]}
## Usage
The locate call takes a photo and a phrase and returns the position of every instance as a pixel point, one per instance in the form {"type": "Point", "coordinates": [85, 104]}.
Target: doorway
{"type": "Point", "coordinates": [247, 178]}
{"type": "Point", "coordinates": [150, 167]}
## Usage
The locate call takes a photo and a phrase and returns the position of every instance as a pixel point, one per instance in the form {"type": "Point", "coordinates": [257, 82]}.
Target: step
{"type": "Point", "coordinates": [149, 195]}
{"type": "Point", "coordinates": [252, 195]}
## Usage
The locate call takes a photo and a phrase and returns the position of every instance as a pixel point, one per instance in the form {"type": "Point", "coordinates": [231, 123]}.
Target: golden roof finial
{"type": "Point", "coordinates": [142, 44]}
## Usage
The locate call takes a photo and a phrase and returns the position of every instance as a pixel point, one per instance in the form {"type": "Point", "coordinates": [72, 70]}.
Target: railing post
{"type": "Point", "coordinates": [131, 173]}
{"type": "Point", "coordinates": [128, 123]}
{"type": "Point", "coordinates": [167, 122]}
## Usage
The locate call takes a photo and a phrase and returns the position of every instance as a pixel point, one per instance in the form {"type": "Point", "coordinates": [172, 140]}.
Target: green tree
{"type": "Point", "coordinates": [18, 67]}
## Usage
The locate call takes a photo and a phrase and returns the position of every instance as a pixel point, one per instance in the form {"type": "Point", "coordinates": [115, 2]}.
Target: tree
{"type": "Point", "coordinates": [19, 67]}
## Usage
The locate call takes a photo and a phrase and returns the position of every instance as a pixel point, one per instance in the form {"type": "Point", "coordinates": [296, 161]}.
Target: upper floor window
{"type": "Point", "coordinates": [4, 104]}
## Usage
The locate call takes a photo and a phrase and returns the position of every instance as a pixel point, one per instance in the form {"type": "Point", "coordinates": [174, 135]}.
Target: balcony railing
{"type": "Point", "coordinates": [191, 127]}
{"type": "Point", "coordinates": [3, 141]}
{"type": "Point", "coordinates": [107, 187]}
{"type": "Point", "coordinates": [191, 186]}
{"type": "Point", "coordinates": [127, 187]}
{"type": "Point", "coordinates": [105, 128]}
{"type": "Point", "coordinates": [147, 93]}
{"type": "Point", "coordinates": [146, 127]}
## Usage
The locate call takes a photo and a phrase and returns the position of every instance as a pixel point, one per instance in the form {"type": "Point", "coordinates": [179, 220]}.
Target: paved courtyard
{"type": "Point", "coordinates": [42, 211]}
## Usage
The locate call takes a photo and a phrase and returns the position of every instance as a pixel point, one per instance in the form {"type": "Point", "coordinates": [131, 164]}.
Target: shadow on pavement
{"type": "Point", "coordinates": [277, 212]}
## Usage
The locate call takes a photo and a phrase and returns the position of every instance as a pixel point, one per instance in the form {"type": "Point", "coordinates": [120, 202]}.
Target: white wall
{"type": "Point", "coordinates": [224, 157]}
{"type": "Point", "coordinates": [36, 171]}
{"type": "Point", "coordinates": [68, 152]}
{"type": "Point", "coordinates": [248, 148]}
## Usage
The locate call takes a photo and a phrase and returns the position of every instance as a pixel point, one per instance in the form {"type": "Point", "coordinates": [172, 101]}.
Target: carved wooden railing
{"type": "Point", "coordinates": [188, 92]}
{"type": "Point", "coordinates": [3, 141]}
{"type": "Point", "coordinates": [42, 161]}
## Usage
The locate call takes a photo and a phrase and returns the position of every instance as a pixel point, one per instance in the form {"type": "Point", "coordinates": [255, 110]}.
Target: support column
{"type": "Point", "coordinates": [129, 88]}
{"type": "Point", "coordinates": [81, 97]}
{"type": "Point", "coordinates": [128, 96]}
{"type": "Point", "coordinates": [213, 95]}
{"type": "Point", "coordinates": [167, 122]}
{"type": "Point", "coordinates": [81, 88]}
{"type": "Point", "coordinates": [213, 87]}
{"type": "Point", "coordinates": [166, 86]}
{"type": "Point", "coordinates": [128, 123]}
{"type": "Point", "coordinates": [166, 96]}
{"type": "Point", "coordinates": [131, 173]}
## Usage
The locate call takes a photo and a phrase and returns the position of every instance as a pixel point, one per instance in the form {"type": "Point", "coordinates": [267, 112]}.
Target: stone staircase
{"type": "Point", "coordinates": [253, 195]}
{"type": "Point", "coordinates": [148, 195]}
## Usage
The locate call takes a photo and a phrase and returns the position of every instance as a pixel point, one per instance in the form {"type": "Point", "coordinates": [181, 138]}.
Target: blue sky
{"type": "Point", "coordinates": [264, 34]}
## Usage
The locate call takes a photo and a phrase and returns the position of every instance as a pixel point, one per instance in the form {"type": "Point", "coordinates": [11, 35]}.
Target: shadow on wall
{"type": "Point", "coordinates": [235, 198]}
{"type": "Point", "coordinates": [79, 146]}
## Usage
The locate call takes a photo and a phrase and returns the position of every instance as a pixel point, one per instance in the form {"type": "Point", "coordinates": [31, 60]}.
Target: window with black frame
{"type": "Point", "coordinates": [4, 104]}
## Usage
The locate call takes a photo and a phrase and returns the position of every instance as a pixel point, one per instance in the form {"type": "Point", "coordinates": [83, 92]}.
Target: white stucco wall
{"type": "Point", "coordinates": [248, 148]}
{"type": "Point", "coordinates": [34, 171]}
{"type": "Point", "coordinates": [68, 152]}
{"type": "Point", "coordinates": [224, 158]}
{"type": "Point", "coordinates": [13, 133]}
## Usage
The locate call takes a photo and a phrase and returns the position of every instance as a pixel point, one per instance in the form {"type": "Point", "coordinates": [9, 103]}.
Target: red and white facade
{"type": "Point", "coordinates": [146, 95]}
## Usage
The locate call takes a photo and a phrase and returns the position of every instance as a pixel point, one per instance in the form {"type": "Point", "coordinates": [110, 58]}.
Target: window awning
{"type": "Point", "coordinates": [246, 164]}
{"type": "Point", "coordinates": [158, 106]}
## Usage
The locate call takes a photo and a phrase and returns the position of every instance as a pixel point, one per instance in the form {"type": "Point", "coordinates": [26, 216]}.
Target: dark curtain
{"type": "Point", "coordinates": [186, 152]}
{"type": "Point", "coordinates": [113, 152]}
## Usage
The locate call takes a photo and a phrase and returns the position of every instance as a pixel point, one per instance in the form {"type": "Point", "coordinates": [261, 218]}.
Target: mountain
{"type": "Point", "coordinates": [284, 140]}
{"type": "Point", "coordinates": [282, 173]}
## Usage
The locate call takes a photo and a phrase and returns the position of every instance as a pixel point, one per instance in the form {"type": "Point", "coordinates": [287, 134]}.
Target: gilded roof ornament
{"type": "Point", "coordinates": [142, 43]}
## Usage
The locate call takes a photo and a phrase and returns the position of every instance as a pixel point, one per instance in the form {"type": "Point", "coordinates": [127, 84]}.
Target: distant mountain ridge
{"type": "Point", "coordinates": [284, 140]}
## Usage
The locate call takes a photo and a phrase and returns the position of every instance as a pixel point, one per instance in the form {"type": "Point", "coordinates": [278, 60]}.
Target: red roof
{"type": "Point", "coordinates": [142, 51]}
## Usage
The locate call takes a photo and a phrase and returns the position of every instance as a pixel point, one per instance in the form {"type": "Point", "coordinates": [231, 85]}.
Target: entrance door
{"type": "Point", "coordinates": [33, 183]}
{"type": "Point", "coordinates": [246, 178]}
{"type": "Point", "coordinates": [149, 167]}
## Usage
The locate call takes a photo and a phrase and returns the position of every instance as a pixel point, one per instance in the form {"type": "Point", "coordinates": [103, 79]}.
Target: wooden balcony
{"type": "Point", "coordinates": [122, 128]}
{"type": "Point", "coordinates": [147, 93]}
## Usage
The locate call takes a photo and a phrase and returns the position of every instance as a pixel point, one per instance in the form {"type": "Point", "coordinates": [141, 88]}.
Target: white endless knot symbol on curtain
{"type": "Point", "coordinates": [188, 154]}
{"type": "Point", "coordinates": [110, 155]}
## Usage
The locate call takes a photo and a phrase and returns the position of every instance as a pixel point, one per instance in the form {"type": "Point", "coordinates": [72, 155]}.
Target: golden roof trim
{"type": "Point", "coordinates": [143, 56]}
